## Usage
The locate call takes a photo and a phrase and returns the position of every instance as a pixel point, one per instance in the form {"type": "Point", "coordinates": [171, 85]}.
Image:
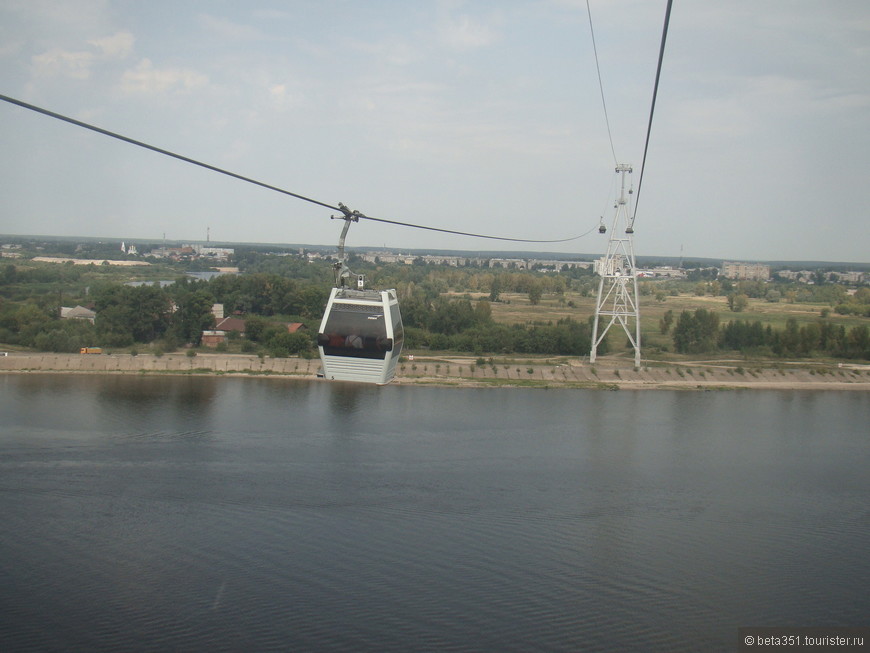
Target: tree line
{"type": "Point", "coordinates": [699, 331]}
{"type": "Point", "coordinates": [273, 289]}
{"type": "Point", "coordinates": [460, 325]}
{"type": "Point", "coordinates": [177, 314]}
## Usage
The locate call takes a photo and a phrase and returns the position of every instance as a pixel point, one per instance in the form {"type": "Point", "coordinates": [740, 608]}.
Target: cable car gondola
{"type": "Point", "coordinates": [361, 334]}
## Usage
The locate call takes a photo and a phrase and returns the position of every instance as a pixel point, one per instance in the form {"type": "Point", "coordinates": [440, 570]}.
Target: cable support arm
{"type": "Point", "coordinates": [342, 272]}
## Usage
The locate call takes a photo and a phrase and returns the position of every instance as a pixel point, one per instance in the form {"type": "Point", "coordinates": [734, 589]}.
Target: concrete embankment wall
{"type": "Point", "coordinates": [226, 364]}
{"type": "Point", "coordinates": [463, 371]}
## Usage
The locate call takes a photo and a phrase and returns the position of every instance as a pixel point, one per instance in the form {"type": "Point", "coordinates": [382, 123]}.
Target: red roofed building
{"type": "Point", "coordinates": [231, 324]}
{"type": "Point", "coordinates": [213, 338]}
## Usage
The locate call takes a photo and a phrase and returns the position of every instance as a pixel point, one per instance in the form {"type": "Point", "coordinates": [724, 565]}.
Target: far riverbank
{"type": "Point", "coordinates": [607, 373]}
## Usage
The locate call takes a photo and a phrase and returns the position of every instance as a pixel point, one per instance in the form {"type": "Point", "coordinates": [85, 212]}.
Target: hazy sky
{"type": "Point", "coordinates": [479, 116]}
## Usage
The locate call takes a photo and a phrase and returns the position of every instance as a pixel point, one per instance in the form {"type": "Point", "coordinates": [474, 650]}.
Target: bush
{"type": "Point", "coordinates": [249, 347]}
{"type": "Point", "coordinates": [282, 345]}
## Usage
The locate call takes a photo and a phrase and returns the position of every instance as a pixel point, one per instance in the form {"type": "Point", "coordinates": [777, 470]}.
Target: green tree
{"type": "Point", "coordinates": [666, 321]}
{"type": "Point", "coordinates": [696, 332]}
{"type": "Point", "coordinates": [859, 341]}
{"type": "Point", "coordinates": [9, 274]}
{"type": "Point", "coordinates": [535, 292]}
{"type": "Point", "coordinates": [482, 312]}
{"type": "Point", "coordinates": [495, 288]}
{"type": "Point", "coordinates": [69, 336]}
{"type": "Point", "coordinates": [788, 341]}
{"type": "Point", "coordinates": [451, 316]}
{"type": "Point", "coordinates": [312, 302]}
{"type": "Point", "coordinates": [113, 326]}
{"type": "Point", "coordinates": [741, 335]}
{"type": "Point", "coordinates": [738, 302]}
{"type": "Point", "coordinates": [28, 322]}
{"type": "Point", "coordinates": [192, 316]}
{"type": "Point", "coordinates": [151, 311]}
{"type": "Point", "coordinates": [128, 314]}
{"type": "Point", "coordinates": [255, 327]}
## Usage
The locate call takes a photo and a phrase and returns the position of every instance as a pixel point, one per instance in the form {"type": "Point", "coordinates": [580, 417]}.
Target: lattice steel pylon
{"type": "Point", "coordinates": [617, 290]}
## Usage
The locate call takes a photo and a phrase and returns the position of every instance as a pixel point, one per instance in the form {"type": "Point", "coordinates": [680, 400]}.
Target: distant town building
{"type": "Point", "coordinates": [87, 261]}
{"type": "Point", "coordinates": [231, 324]}
{"type": "Point", "coordinates": [800, 276]}
{"type": "Point", "coordinates": [379, 257]}
{"type": "Point", "coordinates": [746, 271]}
{"type": "Point", "coordinates": [10, 251]}
{"type": "Point", "coordinates": [213, 338]}
{"type": "Point", "coordinates": [174, 253]}
{"type": "Point", "coordinates": [189, 252]}
{"type": "Point", "coordinates": [511, 263]}
{"type": "Point", "coordinates": [607, 267]}
{"type": "Point", "coordinates": [163, 283]}
{"type": "Point", "coordinates": [219, 253]}
{"type": "Point", "coordinates": [848, 277]}
{"type": "Point", "coordinates": [547, 265]}
{"type": "Point", "coordinates": [662, 273]}
{"type": "Point", "coordinates": [77, 313]}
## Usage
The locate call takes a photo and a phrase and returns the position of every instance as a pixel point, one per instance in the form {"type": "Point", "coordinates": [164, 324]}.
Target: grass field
{"type": "Point", "coordinates": [516, 308]}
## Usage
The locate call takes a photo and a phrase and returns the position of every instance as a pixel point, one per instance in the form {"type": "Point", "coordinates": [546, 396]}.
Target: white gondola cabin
{"type": "Point", "coordinates": [361, 335]}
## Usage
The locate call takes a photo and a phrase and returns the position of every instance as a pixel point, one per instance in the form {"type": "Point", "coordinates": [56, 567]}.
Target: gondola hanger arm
{"type": "Point", "coordinates": [342, 272]}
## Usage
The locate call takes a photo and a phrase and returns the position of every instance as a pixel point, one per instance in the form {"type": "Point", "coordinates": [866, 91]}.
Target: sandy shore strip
{"type": "Point", "coordinates": [610, 374]}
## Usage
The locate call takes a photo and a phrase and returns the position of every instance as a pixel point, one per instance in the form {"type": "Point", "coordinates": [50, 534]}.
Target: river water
{"type": "Point", "coordinates": [184, 513]}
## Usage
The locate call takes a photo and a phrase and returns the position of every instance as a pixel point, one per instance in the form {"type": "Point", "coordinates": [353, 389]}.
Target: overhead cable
{"type": "Point", "coordinates": [600, 83]}
{"type": "Point", "coordinates": [120, 137]}
{"type": "Point", "coordinates": [652, 109]}
{"type": "Point", "coordinates": [131, 141]}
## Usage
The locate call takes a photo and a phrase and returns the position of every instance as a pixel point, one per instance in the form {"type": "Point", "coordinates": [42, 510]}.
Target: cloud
{"type": "Point", "coordinates": [228, 30]}
{"type": "Point", "coordinates": [117, 46]}
{"type": "Point", "coordinates": [11, 48]}
{"type": "Point", "coordinates": [392, 52]}
{"type": "Point", "coordinates": [464, 33]}
{"type": "Point", "coordinates": [281, 97]}
{"type": "Point", "coordinates": [78, 64]}
{"type": "Point", "coordinates": [148, 80]}
{"type": "Point", "coordinates": [75, 65]}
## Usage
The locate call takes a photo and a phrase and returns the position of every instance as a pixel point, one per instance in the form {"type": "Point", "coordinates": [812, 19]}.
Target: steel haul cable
{"type": "Point", "coordinates": [343, 209]}
{"type": "Point", "coordinates": [600, 83]}
{"type": "Point", "coordinates": [652, 108]}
